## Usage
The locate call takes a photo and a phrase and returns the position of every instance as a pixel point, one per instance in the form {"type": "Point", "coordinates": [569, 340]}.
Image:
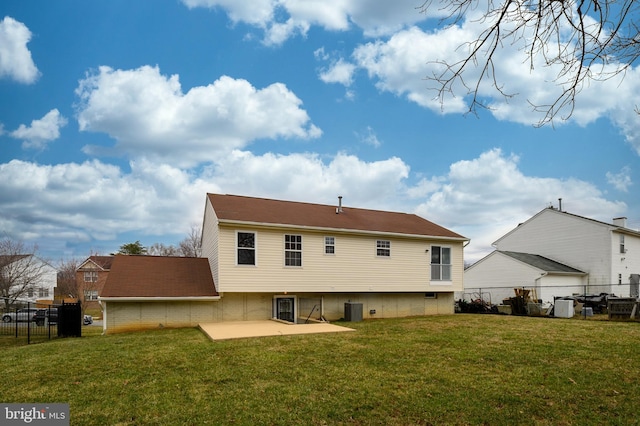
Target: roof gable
{"type": "Point", "coordinates": [159, 276]}
{"type": "Point", "coordinates": [234, 208]}
{"type": "Point", "coordinates": [100, 262]}
{"type": "Point", "coordinates": [571, 216]}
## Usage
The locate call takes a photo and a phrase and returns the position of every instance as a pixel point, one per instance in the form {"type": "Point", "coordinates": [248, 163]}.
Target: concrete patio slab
{"type": "Point", "coordinates": [244, 329]}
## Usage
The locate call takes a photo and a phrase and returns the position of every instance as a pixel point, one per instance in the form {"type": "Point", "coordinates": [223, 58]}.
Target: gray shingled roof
{"type": "Point", "coordinates": [542, 262]}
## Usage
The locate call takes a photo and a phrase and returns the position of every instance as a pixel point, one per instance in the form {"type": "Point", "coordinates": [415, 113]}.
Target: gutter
{"type": "Point", "coordinates": [336, 230]}
{"type": "Point", "coordinates": [160, 299]}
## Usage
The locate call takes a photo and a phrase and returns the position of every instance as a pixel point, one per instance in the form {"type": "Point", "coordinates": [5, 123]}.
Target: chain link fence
{"type": "Point", "coordinates": [528, 300]}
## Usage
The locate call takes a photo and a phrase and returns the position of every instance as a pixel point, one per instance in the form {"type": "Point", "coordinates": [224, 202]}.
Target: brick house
{"type": "Point", "coordinates": [90, 278]}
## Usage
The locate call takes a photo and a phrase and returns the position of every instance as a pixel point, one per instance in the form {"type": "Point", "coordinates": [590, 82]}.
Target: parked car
{"type": "Point", "coordinates": [48, 313]}
{"type": "Point", "coordinates": [52, 314]}
{"type": "Point", "coordinates": [25, 315]}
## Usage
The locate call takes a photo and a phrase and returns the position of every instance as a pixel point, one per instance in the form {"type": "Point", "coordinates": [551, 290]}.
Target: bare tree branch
{"type": "Point", "coordinates": [20, 270]}
{"type": "Point", "coordinates": [582, 40]}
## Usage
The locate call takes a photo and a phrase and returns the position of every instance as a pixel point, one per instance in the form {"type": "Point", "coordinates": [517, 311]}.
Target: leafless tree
{"type": "Point", "coordinates": [583, 40]}
{"type": "Point", "coordinates": [67, 284]}
{"type": "Point", "coordinates": [159, 249]}
{"type": "Point", "coordinates": [20, 270]}
{"type": "Point", "coordinates": [191, 246]}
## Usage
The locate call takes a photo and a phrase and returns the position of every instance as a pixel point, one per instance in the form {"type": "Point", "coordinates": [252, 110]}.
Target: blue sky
{"type": "Point", "coordinates": [116, 118]}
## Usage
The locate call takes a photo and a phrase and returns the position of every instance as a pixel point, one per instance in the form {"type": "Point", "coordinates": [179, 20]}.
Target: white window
{"type": "Point", "coordinates": [91, 295]}
{"type": "Point", "coordinates": [90, 277]}
{"type": "Point", "coordinates": [622, 250]}
{"type": "Point", "coordinates": [383, 248]}
{"type": "Point", "coordinates": [246, 248]}
{"type": "Point", "coordinates": [43, 292]}
{"type": "Point", "coordinates": [440, 263]}
{"type": "Point", "coordinates": [293, 250]}
{"type": "Point", "coordinates": [329, 245]}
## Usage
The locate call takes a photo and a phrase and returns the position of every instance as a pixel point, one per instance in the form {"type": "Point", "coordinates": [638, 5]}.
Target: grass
{"type": "Point", "coordinates": [459, 369]}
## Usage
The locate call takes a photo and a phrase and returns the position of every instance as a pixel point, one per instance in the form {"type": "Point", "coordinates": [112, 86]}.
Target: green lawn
{"type": "Point", "coordinates": [458, 369]}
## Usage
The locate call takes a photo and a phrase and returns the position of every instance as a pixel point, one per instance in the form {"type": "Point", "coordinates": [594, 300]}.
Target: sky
{"type": "Point", "coordinates": [118, 117]}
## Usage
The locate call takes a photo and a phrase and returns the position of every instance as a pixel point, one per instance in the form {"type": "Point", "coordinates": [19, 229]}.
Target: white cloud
{"type": "Point", "coordinates": [41, 131]}
{"type": "Point", "coordinates": [405, 58]}
{"type": "Point", "coordinates": [481, 198]}
{"type": "Point", "coordinates": [283, 19]}
{"type": "Point", "coordinates": [149, 115]}
{"type": "Point", "coordinates": [621, 181]}
{"type": "Point", "coordinates": [256, 12]}
{"type": "Point", "coordinates": [308, 177]}
{"type": "Point", "coordinates": [93, 201]}
{"type": "Point", "coordinates": [369, 137]}
{"type": "Point", "coordinates": [15, 57]}
{"type": "Point", "coordinates": [97, 201]}
{"type": "Point", "coordinates": [488, 196]}
{"type": "Point", "coordinates": [404, 63]}
{"type": "Point", "coordinates": [400, 65]}
{"type": "Point", "coordinates": [340, 72]}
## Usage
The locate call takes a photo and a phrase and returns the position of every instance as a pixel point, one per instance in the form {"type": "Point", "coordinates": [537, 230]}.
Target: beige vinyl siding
{"type": "Point", "coordinates": [353, 268]}
{"type": "Point", "coordinates": [210, 239]}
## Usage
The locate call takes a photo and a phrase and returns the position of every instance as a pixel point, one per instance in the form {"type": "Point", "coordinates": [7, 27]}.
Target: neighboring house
{"type": "Point", "coordinates": [91, 276]}
{"type": "Point", "coordinates": [586, 255]}
{"type": "Point", "coordinates": [27, 278]}
{"type": "Point", "coordinates": [496, 275]}
{"type": "Point", "coordinates": [154, 291]}
{"type": "Point", "coordinates": [291, 260]}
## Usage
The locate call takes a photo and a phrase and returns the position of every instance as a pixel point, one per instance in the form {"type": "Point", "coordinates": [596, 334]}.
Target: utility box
{"type": "Point", "coordinates": [353, 311]}
{"type": "Point", "coordinates": [563, 309]}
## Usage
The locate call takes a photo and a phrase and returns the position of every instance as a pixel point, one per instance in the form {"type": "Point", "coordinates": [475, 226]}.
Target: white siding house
{"type": "Point", "coordinates": [30, 278]}
{"type": "Point", "coordinates": [286, 260]}
{"type": "Point", "coordinates": [606, 254]}
{"type": "Point", "coordinates": [496, 276]}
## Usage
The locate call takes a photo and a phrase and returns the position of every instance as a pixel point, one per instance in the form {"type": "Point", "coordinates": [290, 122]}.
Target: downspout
{"type": "Point", "coordinates": [538, 286]}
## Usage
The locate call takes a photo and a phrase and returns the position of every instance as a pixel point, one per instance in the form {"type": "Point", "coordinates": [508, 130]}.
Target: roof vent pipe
{"type": "Point", "coordinates": [560, 204]}
{"type": "Point", "coordinates": [339, 209]}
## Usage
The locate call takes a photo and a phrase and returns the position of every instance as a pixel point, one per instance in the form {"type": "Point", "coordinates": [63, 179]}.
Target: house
{"type": "Point", "coordinates": [557, 253]}
{"type": "Point", "coordinates": [155, 291]}
{"type": "Point", "coordinates": [291, 260]}
{"type": "Point", "coordinates": [27, 279]}
{"type": "Point", "coordinates": [271, 259]}
{"type": "Point", "coordinates": [91, 276]}
{"type": "Point", "coordinates": [495, 276]}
